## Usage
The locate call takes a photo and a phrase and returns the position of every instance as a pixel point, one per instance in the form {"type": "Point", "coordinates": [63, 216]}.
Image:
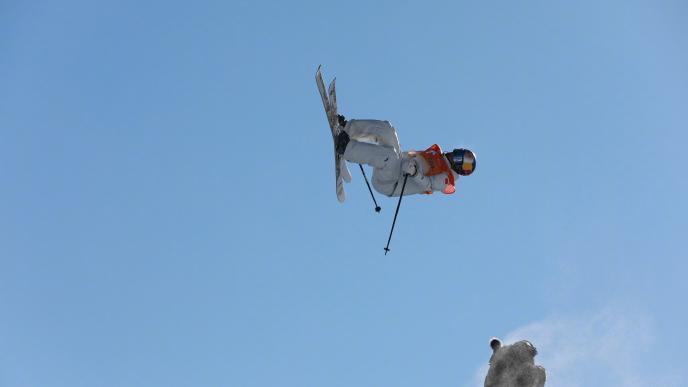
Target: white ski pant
{"type": "Point", "coordinates": [375, 143]}
{"type": "Point", "coordinates": [376, 131]}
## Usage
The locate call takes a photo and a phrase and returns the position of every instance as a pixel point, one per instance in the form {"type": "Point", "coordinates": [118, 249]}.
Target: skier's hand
{"type": "Point", "coordinates": [410, 166]}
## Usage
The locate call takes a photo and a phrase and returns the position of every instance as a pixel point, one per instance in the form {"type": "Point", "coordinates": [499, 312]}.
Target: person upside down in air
{"type": "Point", "coordinates": [375, 143]}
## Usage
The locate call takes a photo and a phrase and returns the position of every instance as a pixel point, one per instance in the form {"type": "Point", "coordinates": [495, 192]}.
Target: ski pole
{"type": "Point", "coordinates": [377, 208]}
{"type": "Point", "coordinates": [396, 213]}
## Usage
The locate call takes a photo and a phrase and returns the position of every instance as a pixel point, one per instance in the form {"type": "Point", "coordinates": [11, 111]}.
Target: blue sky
{"type": "Point", "coordinates": [168, 213]}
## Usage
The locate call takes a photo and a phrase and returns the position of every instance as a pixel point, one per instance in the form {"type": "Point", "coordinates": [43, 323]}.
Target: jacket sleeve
{"type": "Point", "coordinates": [438, 182]}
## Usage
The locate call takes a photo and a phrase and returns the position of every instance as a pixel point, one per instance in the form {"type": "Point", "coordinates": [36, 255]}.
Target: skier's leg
{"type": "Point", "coordinates": [377, 156]}
{"type": "Point", "coordinates": [385, 161]}
{"type": "Point", "coordinates": [381, 132]}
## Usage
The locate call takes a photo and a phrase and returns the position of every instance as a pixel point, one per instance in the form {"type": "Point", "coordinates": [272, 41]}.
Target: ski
{"type": "Point", "coordinates": [332, 96]}
{"type": "Point", "coordinates": [329, 100]}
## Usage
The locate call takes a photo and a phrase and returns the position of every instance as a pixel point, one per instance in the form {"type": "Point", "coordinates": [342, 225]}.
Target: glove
{"type": "Point", "coordinates": [410, 166]}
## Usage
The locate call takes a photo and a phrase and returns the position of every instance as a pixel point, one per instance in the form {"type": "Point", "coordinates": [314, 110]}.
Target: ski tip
{"type": "Point", "coordinates": [319, 67]}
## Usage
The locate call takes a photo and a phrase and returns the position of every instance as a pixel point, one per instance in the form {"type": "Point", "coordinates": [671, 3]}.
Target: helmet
{"type": "Point", "coordinates": [462, 161]}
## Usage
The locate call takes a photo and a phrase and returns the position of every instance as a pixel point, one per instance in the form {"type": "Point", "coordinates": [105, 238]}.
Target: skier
{"type": "Point", "coordinates": [375, 143]}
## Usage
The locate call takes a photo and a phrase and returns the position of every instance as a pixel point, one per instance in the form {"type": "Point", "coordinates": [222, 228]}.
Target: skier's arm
{"type": "Point", "coordinates": [432, 183]}
{"type": "Point", "coordinates": [417, 182]}
{"type": "Point", "coordinates": [438, 182]}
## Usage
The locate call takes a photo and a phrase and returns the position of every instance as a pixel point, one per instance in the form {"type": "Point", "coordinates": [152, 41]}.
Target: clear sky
{"type": "Point", "coordinates": [167, 200]}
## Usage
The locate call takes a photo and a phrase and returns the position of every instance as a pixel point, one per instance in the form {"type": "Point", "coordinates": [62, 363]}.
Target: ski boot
{"type": "Point", "coordinates": [342, 139]}
{"type": "Point", "coordinates": [341, 142]}
{"type": "Point", "coordinates": [342, 120]}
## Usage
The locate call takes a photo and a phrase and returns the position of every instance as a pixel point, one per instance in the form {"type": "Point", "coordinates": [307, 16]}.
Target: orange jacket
{"type": "Point", "coordinates": [439, 164]}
